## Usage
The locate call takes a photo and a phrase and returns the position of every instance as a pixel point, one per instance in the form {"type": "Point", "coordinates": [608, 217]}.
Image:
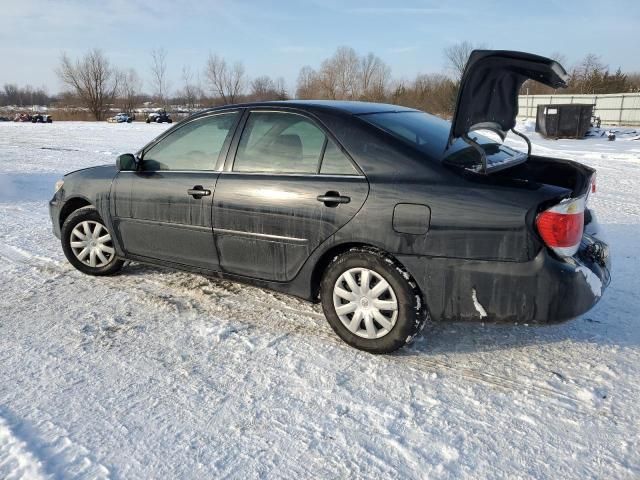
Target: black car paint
{"type": "Point", "coordinates": [477, 245]}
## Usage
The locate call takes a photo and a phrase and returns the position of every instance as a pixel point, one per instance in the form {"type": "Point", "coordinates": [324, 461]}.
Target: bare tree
{"type": "Point", "coordinates": [374, 78]}
{"type": "Point", "coordinates": [308, 85]}
{"type": "Point", "coordinates": [328, 80]}
{"type": "Point", "coordinates": [634, 81]}
{"type": "Point", "coordinates": [346, 66]}
{"type": "Point", "coordinates": [587, 76]}
{"type": "Point", "coordinates": [190, 89]}
{"type": "Point", "coordinates": [346, 76]}
{"type": "Point", "coordinates": [13, 94]}
{"type": "Point", "coordinates": [92, 79]}
{"type": "Point", "coordinates": [159, 74]}
{"type": "Point", "coordinates": [262, 88]}
{"type": "Point", "coordinates": [456, 57]}
{"type": "Point", "coordinates": [281, 89]}
{"type": "Point", "coordinates": [265, 88]}
{"type": "Point", "coordinates": [227, 82]}
{"type": "Point", "coordinates": [130, 86]}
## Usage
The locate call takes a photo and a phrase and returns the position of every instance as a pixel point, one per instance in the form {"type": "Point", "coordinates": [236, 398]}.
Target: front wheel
{"type": "Point", "coordinates": [371, 302]}
{"type": "Point", "coordinates": [87, 243]}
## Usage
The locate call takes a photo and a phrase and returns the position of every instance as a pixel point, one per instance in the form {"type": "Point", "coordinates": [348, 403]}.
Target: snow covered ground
{"type": "Point", "coordinates": [159, 374]}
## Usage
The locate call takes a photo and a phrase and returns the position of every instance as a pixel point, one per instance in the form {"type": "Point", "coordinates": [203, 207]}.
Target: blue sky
{"type": "Point", "coordinates": [279, 37]}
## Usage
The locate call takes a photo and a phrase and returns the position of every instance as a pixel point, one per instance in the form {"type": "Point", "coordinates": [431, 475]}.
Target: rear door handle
{"type": "Point", "coordinates": [198, 192]}
{"type": "Point", "coordinates": [333, 199]}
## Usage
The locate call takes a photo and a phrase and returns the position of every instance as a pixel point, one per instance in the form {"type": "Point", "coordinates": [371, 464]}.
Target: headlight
{"type": "Point", "coordinates": [59, 185]}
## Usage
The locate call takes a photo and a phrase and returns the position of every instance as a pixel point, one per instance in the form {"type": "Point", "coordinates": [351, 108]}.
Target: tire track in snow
{"type": "Point", "coordinates": [215, 297]}
{"type": "Point", "coordinates": [16, 461]}
{"type": "Point", "coordinates": [43, 451]}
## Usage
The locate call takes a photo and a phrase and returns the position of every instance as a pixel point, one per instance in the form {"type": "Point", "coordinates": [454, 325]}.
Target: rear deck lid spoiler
{"type": "Point", "coordinates": [488, 94]}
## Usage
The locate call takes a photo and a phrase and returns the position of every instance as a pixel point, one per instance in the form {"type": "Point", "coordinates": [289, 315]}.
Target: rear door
{"type": "Point", "coordinates": [163, 210]}
{"type": "Point", "coordinates": [287, 186]}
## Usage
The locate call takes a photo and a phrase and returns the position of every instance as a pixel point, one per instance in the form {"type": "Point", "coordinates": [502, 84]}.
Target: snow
{"type": "Point", "coordinates": [478, 306]}
{"type": "Point", "coordinates": [16, 461]}
{"type": "Point", "coordinates": [161, 374]}
{"type": "Point", "coordinates": [595, 284]}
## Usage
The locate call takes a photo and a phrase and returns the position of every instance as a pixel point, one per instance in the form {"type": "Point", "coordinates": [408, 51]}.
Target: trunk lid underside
{"type": "Point", "coordinates": [488, 94]}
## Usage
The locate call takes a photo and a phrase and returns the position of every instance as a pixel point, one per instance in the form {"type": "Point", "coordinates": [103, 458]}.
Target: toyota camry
{"type": "Point", "coordinates": [386, 215]}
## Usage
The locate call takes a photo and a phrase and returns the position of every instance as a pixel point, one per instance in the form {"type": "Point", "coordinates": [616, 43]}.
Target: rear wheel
{"type": "Point", "coordinates": [87, 243]}
{"type": "Point", "coordinates": [371, 302]}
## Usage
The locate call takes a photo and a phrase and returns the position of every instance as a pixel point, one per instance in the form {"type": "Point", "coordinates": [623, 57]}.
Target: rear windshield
{"type": "Point", "coordinates": [430, 135]}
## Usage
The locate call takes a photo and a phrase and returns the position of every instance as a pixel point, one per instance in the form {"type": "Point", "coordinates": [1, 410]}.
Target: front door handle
{"type": "Point", "coordinates": [198, 192]}
{"type": "Point", "coordinates": [333, 199]}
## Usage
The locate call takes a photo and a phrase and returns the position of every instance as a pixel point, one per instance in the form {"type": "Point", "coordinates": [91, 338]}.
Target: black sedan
{"type": "Point", "coordinates": [387, 215]}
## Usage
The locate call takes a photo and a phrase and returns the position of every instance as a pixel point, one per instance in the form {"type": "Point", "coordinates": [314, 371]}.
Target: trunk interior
{"type": "Point", "coordinates": [551, 171]}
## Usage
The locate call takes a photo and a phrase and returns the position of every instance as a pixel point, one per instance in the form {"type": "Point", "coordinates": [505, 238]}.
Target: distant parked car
{"type": "Point", "coordinates": [386, 215]}
{"type": "Point", "coordinates": [5, 119]}
{"type": "Point", "coordinates": [40, 118]}
{"type": "Point", "coordinates": [159, 117]}
{"type": "Point", "coordinates": [22, 117]}
{"type": "Point", "coordinates": [121, 118]}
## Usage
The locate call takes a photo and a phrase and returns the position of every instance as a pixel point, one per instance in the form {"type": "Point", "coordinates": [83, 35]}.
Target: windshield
{"type": "Point", "coordinates": [430, 135]}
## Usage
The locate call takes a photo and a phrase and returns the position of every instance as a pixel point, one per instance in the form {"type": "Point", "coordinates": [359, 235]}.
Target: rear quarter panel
{"type": "Point", "coordinates": [472, 216]}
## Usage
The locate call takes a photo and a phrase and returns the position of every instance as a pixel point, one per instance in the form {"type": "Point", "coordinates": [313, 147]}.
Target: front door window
{"type": "Point", "coordinates": [194, 146]}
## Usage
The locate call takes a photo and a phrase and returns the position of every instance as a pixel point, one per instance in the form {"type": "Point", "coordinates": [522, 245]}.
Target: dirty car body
{"type": "Point", "coordinates": [466, 217]}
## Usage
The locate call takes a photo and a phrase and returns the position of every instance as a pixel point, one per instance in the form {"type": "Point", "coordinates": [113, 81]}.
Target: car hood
{"type": "Point", "coordinates": [489, 88]}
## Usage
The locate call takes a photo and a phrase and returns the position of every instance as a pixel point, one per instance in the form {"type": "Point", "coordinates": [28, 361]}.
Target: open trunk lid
{"type": "Point", "coordinates": [488, 94]}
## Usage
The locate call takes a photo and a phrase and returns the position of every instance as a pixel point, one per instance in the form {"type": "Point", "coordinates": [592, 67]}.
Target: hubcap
{"type": "Point", "coordinates": [365, 303]}
{"type": "Point", "coordinates": [91, 244]}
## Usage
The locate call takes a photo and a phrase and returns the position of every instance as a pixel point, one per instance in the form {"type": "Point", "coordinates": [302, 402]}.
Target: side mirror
{"type": "Point", "coordinates": [126, 162]}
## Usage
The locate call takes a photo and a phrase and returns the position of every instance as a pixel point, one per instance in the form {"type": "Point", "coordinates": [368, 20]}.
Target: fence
{"type": "Point", "coordinates": [613, 109]}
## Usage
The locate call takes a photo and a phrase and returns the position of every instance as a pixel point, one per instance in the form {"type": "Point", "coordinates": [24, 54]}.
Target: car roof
{"type": "Point", "coordinates": [342, 106]}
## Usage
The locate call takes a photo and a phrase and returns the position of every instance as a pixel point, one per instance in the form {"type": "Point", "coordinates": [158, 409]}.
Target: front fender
{"type": "Point", "coordinates": [93, 186]}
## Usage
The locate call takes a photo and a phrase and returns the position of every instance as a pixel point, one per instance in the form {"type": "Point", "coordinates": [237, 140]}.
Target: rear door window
{"type": "Point", "coordinates": [279, 142]}
{"type": "Point", "coordinates": [334, 162]}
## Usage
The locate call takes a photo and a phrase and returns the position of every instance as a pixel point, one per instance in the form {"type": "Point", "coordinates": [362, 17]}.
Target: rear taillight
{"type": "Point", "coordinates": [561, 226]}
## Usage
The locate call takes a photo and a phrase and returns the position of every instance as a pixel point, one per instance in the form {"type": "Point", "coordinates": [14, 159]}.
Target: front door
{"type": "Point", "coordinates": [163, 210]}
{"type": "Point", "coordinates": [287, 187]}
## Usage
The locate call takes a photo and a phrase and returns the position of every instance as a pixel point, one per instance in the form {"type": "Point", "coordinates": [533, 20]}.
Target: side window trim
{"type": "Point", "coordinates": [324, 149]}
{"type": "Point", "coordinates": [235, 141]}
{"type": "Point", "coordinates": [225, 146]}
{"type": "Point", "coordinates": [233, 148]}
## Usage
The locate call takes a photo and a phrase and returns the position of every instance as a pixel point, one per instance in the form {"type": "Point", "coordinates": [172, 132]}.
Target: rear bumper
{"type": "Point", "coordinates": [544, 290]}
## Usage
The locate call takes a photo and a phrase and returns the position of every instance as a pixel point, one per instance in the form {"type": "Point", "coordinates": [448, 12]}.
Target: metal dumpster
{"type": "Point", "coordinates": [570, 120]}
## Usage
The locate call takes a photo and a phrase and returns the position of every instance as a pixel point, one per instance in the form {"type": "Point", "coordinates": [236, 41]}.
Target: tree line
{"type": "Point", "coordinates": [93, 82]}
{"type": "Point", "coordinates": [12, 94]}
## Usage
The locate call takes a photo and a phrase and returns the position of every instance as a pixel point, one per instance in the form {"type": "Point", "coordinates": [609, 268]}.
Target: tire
{"type": "Point", "coordinates": [386, 329]}
{"type": "Point", "coordinates": [73, 226]}
{"type": "Point", "coordinates": [148, 120]}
